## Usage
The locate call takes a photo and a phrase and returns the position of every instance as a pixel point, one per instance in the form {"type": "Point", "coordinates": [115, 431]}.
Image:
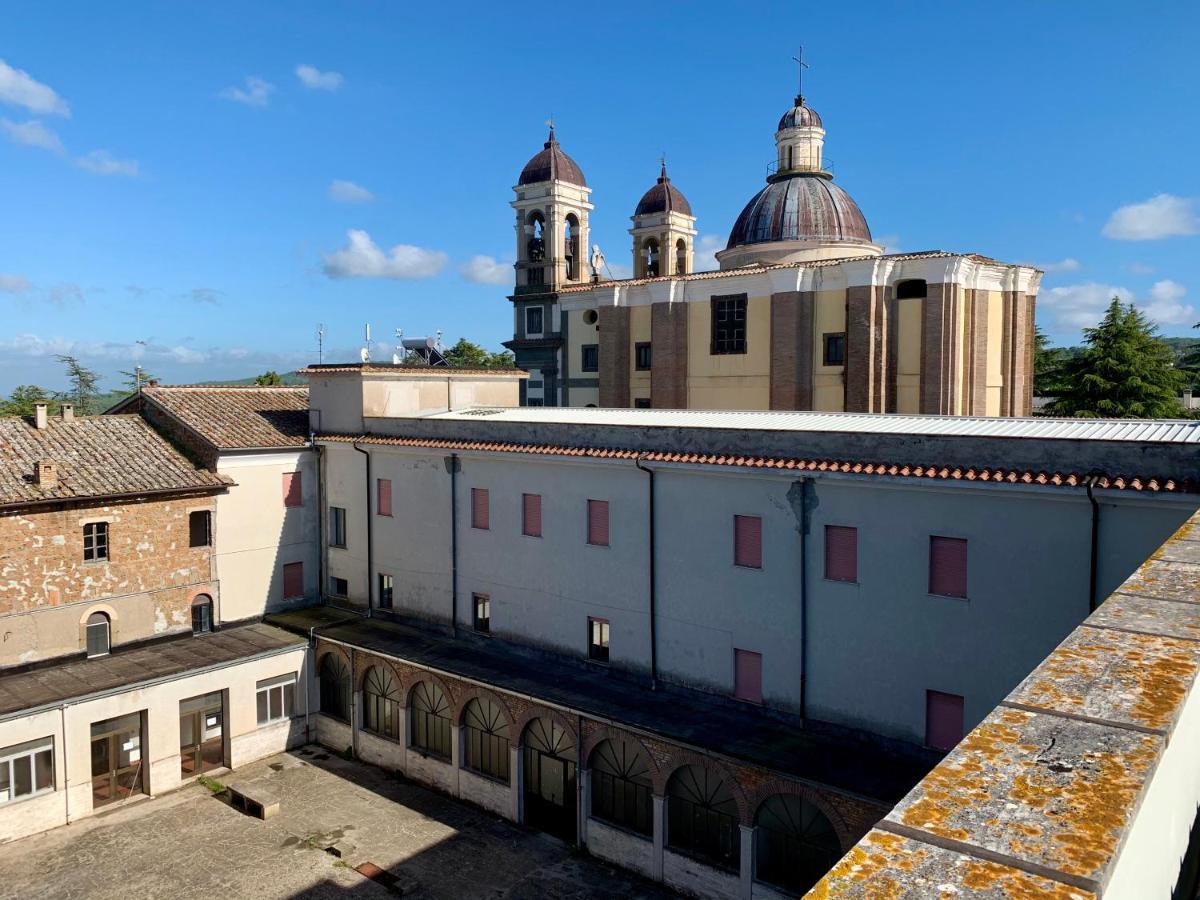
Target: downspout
{"type": "Point", "coordinates": [1093, 560]}
{"type": "Point", "coordinates": [452, 464]}
{"type": "Point", "coordinates": [322, 550]}
{"type": "Point", "coordinates": [66, 756]}
{"type": "Point", "coordinates": [370, 548]}
{"type": "Point", "coordinates": [653, 578]}
{"type": "Point", "coordinates": [804, 522]}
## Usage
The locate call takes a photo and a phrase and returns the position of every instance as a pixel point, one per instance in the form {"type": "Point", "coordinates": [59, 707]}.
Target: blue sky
{"type": "Point", "coordinates": [167, 171]}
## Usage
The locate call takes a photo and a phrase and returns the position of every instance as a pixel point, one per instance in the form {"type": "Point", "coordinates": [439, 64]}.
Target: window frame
{"type": "Point", "coordinates": [481, 509]}
{"type": "Point", "coordinates": [387, 590]}
{"type": "Point", "coordinates": [341, 703]}
{"type": "Point", "coordinates": [640, 348]}
{"type": "Point", "coordinates": [29, 750]}
{"type": "Point", "coordinates": [607, 542]}
{"type": "Point", "coordinates": [721, 344]}
{"type": "Point", "coordinates": [337, 527]}
{"type": "Point", "coordinates": [540, 313]}
{"type": "Point", "coordinates": [747, 562]}
{"type": "Point", "coordinates": [526, 529]}
{"type": "Point", "coordinates": [205, 516]}
{"type": "Point", "coordinates": [592, 364]}
{"type": "Point", "coordinates": [104, 620]}
{"type": "Point", "coordinates": [383, 492]}
{"type": "Point", "coordinates": [287, 699]}
{"type": "Point", "coordinates": [381, 709]}
{"type": "Point", "coordinates": [284, 579]}
{"type": "Point", "coordinates": [599, 634]}
{"type": "Point", "coordinates": [333, 592]}
{"type": "Point", "coordinates": [966, 564]}
{"type": "Point", "coordinates": [621, 789]}
{"type": "Point", "coordinates": [836, 529]}
{"type": "Point", "coordinates": [438, 741]}
{"type": "Point", "coordinates": [481, 624]}
{"type": "Point", "coordinates": [826, 358]}
{"type": "Point", "coordinates": [486, 748]}
{"type": "Point", "coordinates": [207, 617]}
{"type": "Point", "coordinates": [96, 542]}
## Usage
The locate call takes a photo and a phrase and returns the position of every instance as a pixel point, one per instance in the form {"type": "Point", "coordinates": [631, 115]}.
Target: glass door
{"type": "Point", "coordinates": [117, 767]}
{"type": "Point", "coordinates": [201, 734]}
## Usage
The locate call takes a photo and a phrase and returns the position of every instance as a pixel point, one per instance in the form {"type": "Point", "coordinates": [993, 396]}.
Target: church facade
{"type": "Point", "coordinates": [806, 311]}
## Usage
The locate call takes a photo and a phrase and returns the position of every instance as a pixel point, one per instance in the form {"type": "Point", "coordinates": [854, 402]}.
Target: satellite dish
{"type": "Point", "coordinates": [365, 354]}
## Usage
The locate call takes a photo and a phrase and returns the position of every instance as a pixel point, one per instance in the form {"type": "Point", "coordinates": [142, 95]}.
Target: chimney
{"type": "Point", "coordinates": [68, 412]}
{"type": "Point", "coordinates": [45, 473]}
{"type": "Point", "coordinates": [40, 416]}
{"type": "Point", "coordinates": [153, 382]}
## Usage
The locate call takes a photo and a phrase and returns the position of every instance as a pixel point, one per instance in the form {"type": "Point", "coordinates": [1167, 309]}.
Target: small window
{"type": "Point", "coordinates": [337, 527]}
{"type": "Point", "coordinates": [841, 553]}
{"type": "Point", "coordinates": [943, 720]}
{"type": "Point", "coordinates": [914, 287]}
{"type": "Point", "coordinates": [641, 403]}
{"type": "Point", "coordinates": [202, 614]}
{"type": "Point", "coordinates": [728, 325]}
{"type": "Point", "coordinates": [481, 616]}
{"type": "Point", "coordinates": [641, 356]}
{"type": "Point", "coordinates": [533, 319]}
{"type": "Point", "coordinates": [948, 567]}
{"type": "Point", "coordinates": [747, 675]}
{"type": "Point", "coordinates": [293, 489]}
{"type": "Point", "coordinates": [835, 349]}
{"type": "Point", "coordinates": [338, 587]}
{"type": "Point", "coordinates": [429, 717]}
{"type": "Point", "coordinates": [531, 515]}
{"type": "Point", "coordinates": [200, 528]}
{"type": "Point", "coordinates": [26, 770]}
{"type": "Point", "coordinates": [276, 699]}
{"type": "Point", "coordinates": [293, 580]}
{"type": "Point", "coordinates": [535, 401]}
{"type": "Point", "coordinates": [381, 703]}
{"type": "Point", "coordinates": [479, 508]}
{"type": "Point", "coordinates": [591, 358]}
{"type": "Point", "coordinates": [598, 640]}
{"type": "Point", "coordinates": [385, 591]}
{"type": "Point", "coordinates": [747, 541]}
{"type": "Point", "coordinates": [98, 635]}
{"type": "Point", "coordinates": [383, 500]}
{"type": "Point", "coordinates": [597, 522]}
{"type": "Point", "coordinates": [486, 738]}
{"type": "Point", "coordinates": [95, 541]}
{"type": "Point", "coordinates": [334, 685]}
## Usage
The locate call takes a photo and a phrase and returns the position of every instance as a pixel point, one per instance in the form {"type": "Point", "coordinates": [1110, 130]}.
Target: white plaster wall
{"type": "Point", "coordinates": [430, 770]}
{"type": "Point", "coordinates": [31, 815]}
{"type": "Point", "coordinates": [345, 486]}
{"type": "Point", "coordinates": [696, 878]}
{"type": "Point", "coordinates": [485, 792]}
{"type": "Point", "coordinates": [337, 402]}
{"type": "Point", "coordinates": [380, 751]}
{"type": "Point", "coordinates": [332, 734]}
{"type": "Point", "coordinates": [621, 847]}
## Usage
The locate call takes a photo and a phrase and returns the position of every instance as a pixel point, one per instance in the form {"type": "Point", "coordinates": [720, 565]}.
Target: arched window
{"type": "Point", "coordinates": [789, 156]}
{"type": "Point", "coordinates": [430, 713]}
{"type": "Point", "coordinates": [98, 635]}
{"type": "Point", "coordinates": [486, 737]}
{"type": "Point", "coordinates": [621, 788]}
{"type": "Point", "coordinates": [650, 258]}
{"type": "Point", "coordinates": [334, 676]}
{"type": "Point", "coordinates": [795, 844]}
{"type": "Point", "coordinates": [202, 617]}
{"type": "Point", "coordinates": [381, 702]}
{"type": "Point", "coordinates": [680, 257]}
{"type": "Point", "coordinates": [535, 246]}
{"type": "Point", "coordinates": [914, 287]}
{"type": "Point", "coordinates": [571, 246]}
{"type": "Point", "coordinates": [702, 817]}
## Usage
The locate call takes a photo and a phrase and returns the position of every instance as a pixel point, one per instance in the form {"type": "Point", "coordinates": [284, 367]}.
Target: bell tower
{"type": "Point", "coordinates": [663, 231]}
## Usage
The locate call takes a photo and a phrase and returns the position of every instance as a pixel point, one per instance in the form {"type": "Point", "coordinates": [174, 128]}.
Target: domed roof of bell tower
{"type": "Point", "coordinates": [663, 197]}
{"type": "Point", "coordinates": [800, 116]}
{"type": "Point", "coordinates": [552, 164]}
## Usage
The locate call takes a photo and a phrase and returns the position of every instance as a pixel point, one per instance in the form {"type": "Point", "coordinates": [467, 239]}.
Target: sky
{"type": "Point", "coordinates": [196, 187]}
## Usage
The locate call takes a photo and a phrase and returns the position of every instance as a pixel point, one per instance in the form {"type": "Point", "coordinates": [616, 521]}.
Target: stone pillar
{"type": "Point", "coordinates": [669, 352]}
{"type": "Point", "coordinates": [977, 352]}
{"type": "Point", "coordinates": [936, 338]}
{"type": "Point", "coordinates": [659, 808]}
{"type": "Point", "coordinates": [585, 803]}
{"type": "Point", "coordinates": [746, 864]}
{"type": "Point", "coordinates": [866, 348]}
{"type": "Point", "coordinates": [403, 739]}
{"type": "Point", "coordinates": [614, 357]}
{"type": "Point", "coordinates": [792, 350]}
{"type": "Point", "coordinates": [516, 777]}
{"type": "Point", "coordinates": [455, 758]}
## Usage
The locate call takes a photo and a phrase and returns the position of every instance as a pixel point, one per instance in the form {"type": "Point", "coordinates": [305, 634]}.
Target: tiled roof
{"type": "Point", "coordinates": [346, 368]}
{"type": "Point", "coordinates": [933, 471]}
{"type": "Point", "coordinates": [238, 418]}
{"type": "Point", "coordinates": [97, 456]}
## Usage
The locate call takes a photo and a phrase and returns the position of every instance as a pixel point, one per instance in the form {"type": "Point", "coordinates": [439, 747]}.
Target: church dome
{"type": "Point", "coordinates": [551, 164]}
{"type": "Point", "coordinates": [800, 116]}
{"type": "Point", "coordinates": [800, 207]}
{"type": "Point", "coordinates": [663, 197]}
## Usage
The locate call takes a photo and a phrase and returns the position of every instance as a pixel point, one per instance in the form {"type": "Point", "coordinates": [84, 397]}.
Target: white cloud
{"type": "Point", "coordinates": [890, 242]}
{"type": "Point", "coordinates": [13, 284]}
{"type": "Point", "coordinates": [704, 252]}
{"type": "Point", "coordinates": [20, 89]}
{"type": "Point", "coordinates": [1165, 306]}
{"type": "Point", "coordinates": [1082, 305]}
{"type": "Point", "coordinates": [1164, 215]}
{"type": "Point", "coordinates": [312, 77]}
{"type": "Point", "coordinates": [486, 270]}
{"type": "Point", "coordinates": [363, 258]}
{"type": "Point", "coordinates": [1069, 264]}
{"type": "Point", "coordinates": [101, 162]}
{"type": "Point", "coordinates": [35, 346]}
{"type": "Point", "coordinates": [257, 92]}
{"type": "Point", "coordinates": [1141, 268]}
{"type": "Point", "coordinates": [349, 192]}
{"type": "Point", "coordinates": [32, 134]}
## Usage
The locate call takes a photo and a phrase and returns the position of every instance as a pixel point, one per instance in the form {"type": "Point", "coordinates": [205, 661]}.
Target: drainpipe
{"type": "Point", "coordinates": [66, 755]}
{"type": "Point", "coordinates": [322, 550]}
{"type": "Point", "coordinates": [452, 465]}
{"type": "Point", "coordinates": [804, 522]}
{"type": "Point", "coordinates": [653, 578]}
{"type": "Point", "coordinates": [1090, 483]}
{"type": "Point", "coordinates": [370, 542]}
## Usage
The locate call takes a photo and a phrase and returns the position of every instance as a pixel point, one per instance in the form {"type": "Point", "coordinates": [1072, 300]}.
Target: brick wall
{"type": "Point", "coordinates": [668, 369]}
{"type": "Point", "coordinates": [614, 357]}
{"type": "Point", "coordinates": [791, 350]}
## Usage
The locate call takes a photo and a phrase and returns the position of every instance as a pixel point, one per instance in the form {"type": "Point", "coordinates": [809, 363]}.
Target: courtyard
{"type": "Point", "coordinates": [344, 829]}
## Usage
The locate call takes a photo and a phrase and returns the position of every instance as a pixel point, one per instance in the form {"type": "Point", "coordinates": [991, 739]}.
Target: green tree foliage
{"type": "Point", "coordinates": [21, 401]}
{"type": "Point", "coordinates": [84, 382]}
{"type": "Point", "coordinates": [268, 379]}
{"type": "Point", "coordinates": [470, 355]}
{"type": "Point", "coordinates": [1125, 371]}
{"type": "Point", "coordinates": [131, 382]}
{"type": "Point", "coordinates": [1047, 365]}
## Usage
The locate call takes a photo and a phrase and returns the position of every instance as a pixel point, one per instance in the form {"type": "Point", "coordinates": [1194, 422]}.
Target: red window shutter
{"type": "Point", "coordinates": [747, 675]}
{"type": "Point", "coordinates": [531, 514]}
{"type": "Point", "coordinates": [943, 719]}
{"type": "Point", "coordinates": [293, 580]}
{"type": "Point", "coordinates": [598, 522]}
{"type": "Point", "coordinates": [841, 553]}
{"type": "Point", "coordinates": [479, 508]}
{"type": "Point", "coordinates": [747, 541]}
{"type": "Point", "coordinates": [948, 566]}
{"type": "Point", "coordinates": [384, 504]}
{"type": "Point", "coordinates": [293, 490]}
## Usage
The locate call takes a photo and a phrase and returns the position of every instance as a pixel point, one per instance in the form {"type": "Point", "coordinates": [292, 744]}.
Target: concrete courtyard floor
{"type": "Point", "coordinates": [189, 844]}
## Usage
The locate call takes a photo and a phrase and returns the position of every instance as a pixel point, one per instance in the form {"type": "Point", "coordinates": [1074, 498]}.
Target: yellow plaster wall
{"type": "Point", "coordinates": [829, 389]}
{"type": "Point", "coordinates": [639, 331]}
{"type": "Point", "coordinates": [733, 380]}
{"type": "Point", "coordinates": [995, 345]}
{"type": "Point", "coordinates": [579, 334]}
{"type": "Point", "coordinates": [908, 355]}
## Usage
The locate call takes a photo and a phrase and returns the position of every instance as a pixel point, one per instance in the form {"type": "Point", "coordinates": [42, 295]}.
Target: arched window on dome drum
{"type": "Point", "coordinates": [571, 246]}
{"type": "Point", "coordinates": [429, 711]}
{"type": "Point", "coordinates": [535, 246]}
{"type": "Point", "coordinates": [789, 156]}
{"type": "Point", "coordinates": [621, 788]}
{"type": "Point", "coordinates": [702, 817]}
{"type": "Point", "coordinates": [795, 843]}
{"type": "Point", "coordinates": [334, 677]}
{"type": "Point", "coordinates": [650, 258]}
{"type": "Point", "coordinates": [486, 738]}
{"type": "Point", "coordinates": [913, 288]}
{"type": "Point", "coordinates": [680, 257]}
{"type": "Point", "coordinates": [381, 703]}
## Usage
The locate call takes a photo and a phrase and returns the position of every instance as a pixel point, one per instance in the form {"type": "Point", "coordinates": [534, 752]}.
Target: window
{"type": "Point", "coordinates": [680, 257]}
{"type": "Point", "coordinates": [293, 580]}
{"type": "Point", "coordinates": [339, 587]}
{"type": "Point", "coordinates": [337, 527]}
{"type": "Point", "coordinates": [728, 324]}
{"type": "Point", "coordinates": [835, 349]}
{"type": "Point", "coordinates": [95, 541]}
{"type": "Point", "coordinates": [747, 675]}
{"type": "Point", "coordinates": [293, 490]}
{"type": "Point", "coordinates": [531, 515]}
{"type": "Point", "coordinates": [381, 703]}
{"type": "Point", "coordinates": [98, 635]}
{"type": "Point", "coordinates": [199, 528]}
{"type": "Point", "coordinates": [621, 786]}
{"type": "Point", "coordinates": [479, 508]}
{"type": "Point", "coordinates": [430, 720]}
{"type": "Point", "coordinates": [334, 678]}
{"type": "Point", "coordinates": [914, 287]}
{"type": "Point", "coordinates": [26, 769]}
{"type": "Point", "coordinates": [641, 356]}
{"type": "Point", "coordinates": [597, 522]}
{"type": "Point", "coordinates": [202, 614]}
{"type": "Point", "coordinates": [533, 319]}
{"type": "Point", "coordinates": [598, 639]}
{"type": "Point", "coordinates": [383, 500]}
{"type": "Point", "coordinates": [486, 738]}
{"type": "Point", "coordinates": [591, 358]}
{"type": "Point", "coordinates": [943, 720]}
{"type": "Point", "coordinates": [535, 401]}
{"type": "Point", "coordinates": [747, 542]}
{"type": "Point", "coordinates": [702, 817]}
{"type": "Point", "coordinates": [796, 843]}
{"type": "Point", "coordinates": [385, 591]}
{"type": "Point", "coordinates": [948, 567]}
{"type": "Point", "coordinates": [641, 403]}
{"type": "Point", "coordinates": [481, 616]}
{"type": "Point", "coordinates": [841, 553]}
{"type": "Point", "coordinates": [276, 699]}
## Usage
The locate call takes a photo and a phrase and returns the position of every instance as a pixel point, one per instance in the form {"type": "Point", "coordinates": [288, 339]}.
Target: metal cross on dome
{"type": "Point", "coordinates": [802, 65]}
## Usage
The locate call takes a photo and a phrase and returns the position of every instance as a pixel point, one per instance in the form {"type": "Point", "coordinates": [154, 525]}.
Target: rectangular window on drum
{"type": "Point", "coordinates": [597, 522]}
{"type": "Point", "coordinates": [841, 553]}
{"type": "Point", "coordinates": [479, 508]}
{"type": "Point", "coordinates": [948, 567]}
{"type": "Point", "coordinates": [747, 542]}
{"type": "Point", "coordinates": [728, 325]}
{"type": "Point", "coordinates": [531, 515]}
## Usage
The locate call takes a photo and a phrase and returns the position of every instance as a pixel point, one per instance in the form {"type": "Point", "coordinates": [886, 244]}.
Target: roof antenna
{"type": "Point", "coordinates": [365, 353]}
{"type": "Point", "coordinates": [801, 65]}
{"type": "Point", "coordinates": [320, 342]}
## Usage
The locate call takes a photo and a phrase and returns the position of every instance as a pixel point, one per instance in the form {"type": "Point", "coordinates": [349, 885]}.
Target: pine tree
{"type": "Point", "coordinates": [1047, 365]}
{"type": "Point", "coordinates": [1125, 372]}
{"type": "Point", "coordinates": [83, 380]}
{"type": "Point", "coordinates": [268, 379]}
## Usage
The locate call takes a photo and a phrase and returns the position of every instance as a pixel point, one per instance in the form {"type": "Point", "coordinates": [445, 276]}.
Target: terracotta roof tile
{"type": "Point", "coordinates": [238, 418]}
